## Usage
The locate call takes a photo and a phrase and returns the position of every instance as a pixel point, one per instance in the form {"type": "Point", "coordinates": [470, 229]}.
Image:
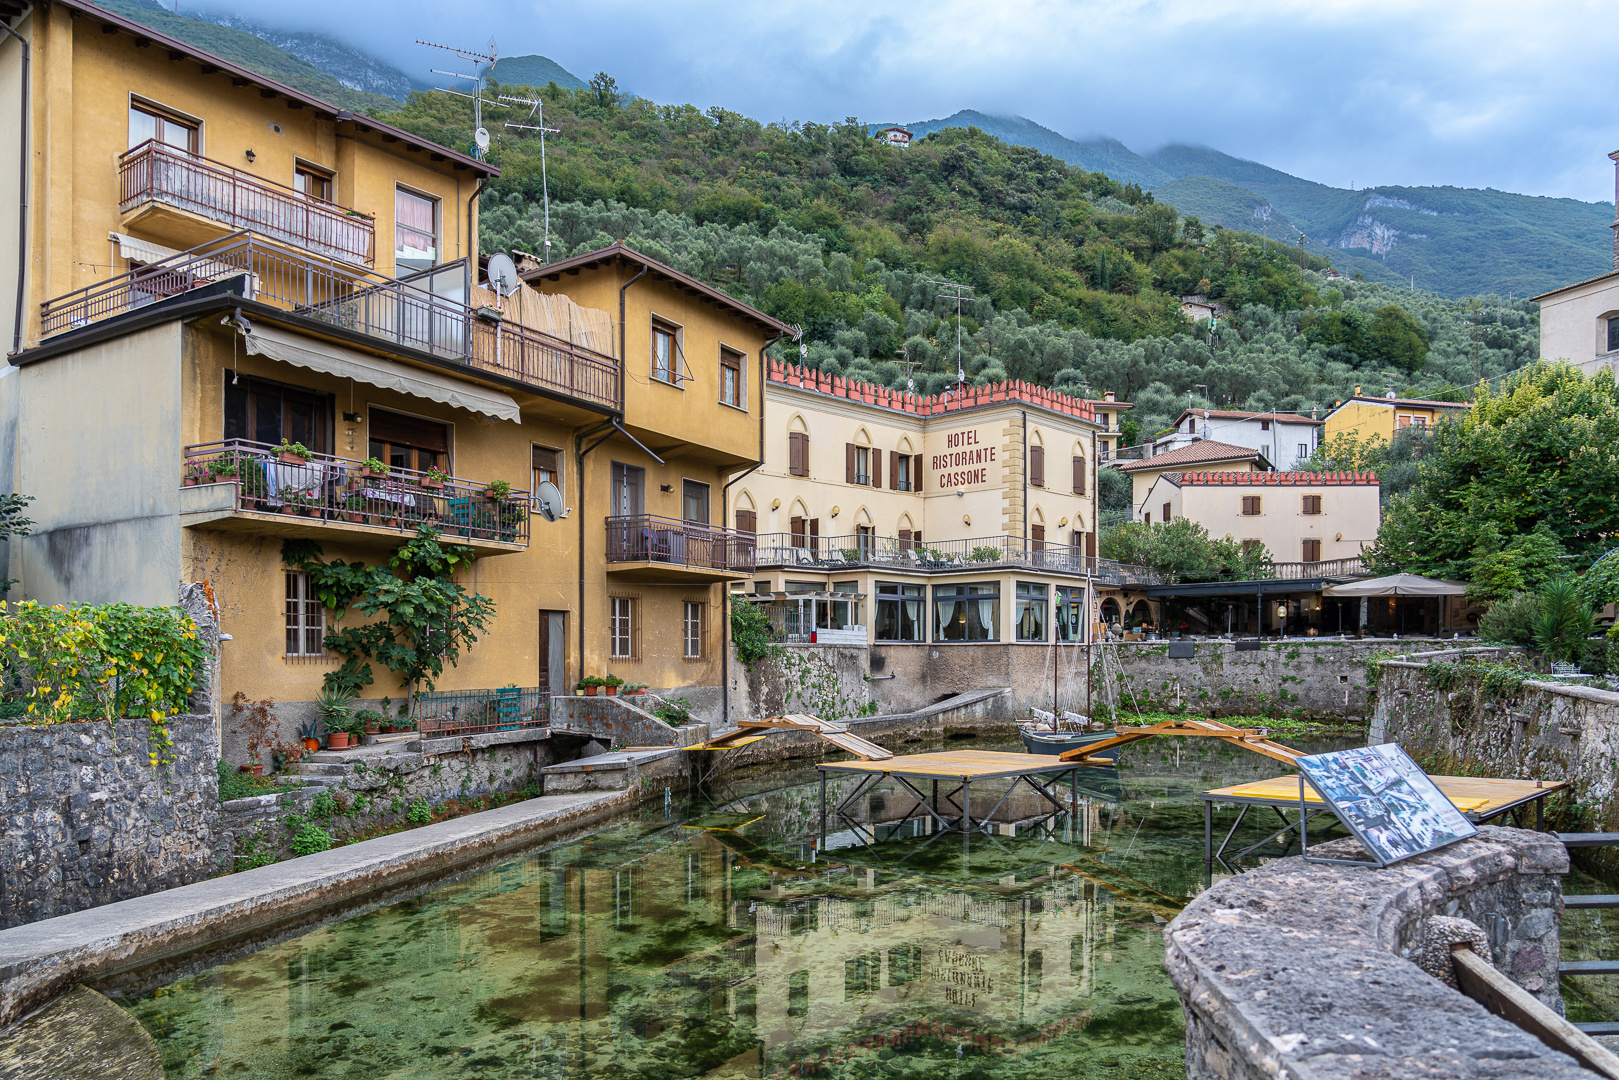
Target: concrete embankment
{"type": "Point", "coordinates": [41, 959]}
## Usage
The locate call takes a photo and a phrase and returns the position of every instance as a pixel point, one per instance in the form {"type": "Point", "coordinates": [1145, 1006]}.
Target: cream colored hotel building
{"type": "Point", "coordinates": [967, 516]}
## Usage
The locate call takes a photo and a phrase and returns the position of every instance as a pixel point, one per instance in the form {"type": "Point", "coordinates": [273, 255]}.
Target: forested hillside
{"type": "Point", "coordinates": [1075, 274]}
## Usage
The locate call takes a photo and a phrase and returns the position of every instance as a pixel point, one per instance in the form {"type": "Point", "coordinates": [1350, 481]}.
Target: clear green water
{"type": "Point", "coordinates": [721, 943]}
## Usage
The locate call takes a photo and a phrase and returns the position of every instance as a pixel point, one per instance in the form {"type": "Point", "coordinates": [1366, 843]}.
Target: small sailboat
{"type": "Point", "coordinates": [1053, 733]}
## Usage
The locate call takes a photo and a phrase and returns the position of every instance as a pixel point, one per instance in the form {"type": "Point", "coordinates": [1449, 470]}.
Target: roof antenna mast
{"type": "Point", "coordinates": [958, 293]}
{"type": "Point", "coordinates": [536, 118]}
{"type": "Point", "coordinates": [480, 134]}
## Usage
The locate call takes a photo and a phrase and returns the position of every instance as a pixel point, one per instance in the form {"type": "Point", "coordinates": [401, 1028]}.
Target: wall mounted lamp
{"type": "Point", "coordinates": [776, 505]}
{"type": "Point", "coordinates": [666, 487]}
{"type": "Point", "coordinates": [251, 157]}
{"type": "Point", "coordinates": [834, 511]}
{"type": "Point", "coordinates": [966, 519]}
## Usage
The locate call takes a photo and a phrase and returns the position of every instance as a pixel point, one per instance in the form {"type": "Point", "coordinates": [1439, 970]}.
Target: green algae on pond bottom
{"type": "Point", "coordinates": [729, 944]}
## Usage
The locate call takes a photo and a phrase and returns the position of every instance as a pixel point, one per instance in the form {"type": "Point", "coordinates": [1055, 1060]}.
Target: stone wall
{"type": "Point", "coordinates": [1313, 677]}
{"type": "Point", "coordinates": [87, 819]}
{"type": "Point", "coordinates": [1305, 969]}
{"type": "Point", "coordinates": [1539, 730]}
{"type": "Point", "coordinates": [828, 681]}
{"type": "Point", "coordinates": [620, 721]}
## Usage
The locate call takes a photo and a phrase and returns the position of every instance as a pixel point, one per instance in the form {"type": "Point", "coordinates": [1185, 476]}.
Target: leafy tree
{"type": "Point", "coordinates": [1539, 453]}
{"type": "Point", "coordinates": [1395, 339]}
{"type": "Point", "coordinates": [1183, 550]}
{"type": "Point", "coordinates": [12, 523]}
{"type": "Point", "coordinates": [420, 617]}
{"type": "Point", "coordinates": [1113, 492]}
{"type": "Point", "coordinates": [605, 88]}
{"type": "Point", "coordinates": [1511, 620]}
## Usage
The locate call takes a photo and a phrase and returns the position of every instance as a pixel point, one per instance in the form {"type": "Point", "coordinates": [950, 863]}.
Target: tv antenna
{"type": "Point", "coordinates": [480, 134]}
{"type": "Point", "coordinates": [535, 121]}
{"type": "Point", "coordinates": [958, 294]}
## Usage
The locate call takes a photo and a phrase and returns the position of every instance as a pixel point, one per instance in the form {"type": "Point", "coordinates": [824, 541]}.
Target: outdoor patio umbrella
{"type": "Point", "coordinates": [1398, 585]}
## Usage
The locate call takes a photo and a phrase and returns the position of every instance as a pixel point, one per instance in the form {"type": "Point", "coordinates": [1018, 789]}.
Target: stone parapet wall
{"type": "Point", "coordinates": [1306, 970]}
{"type": "Point", "coordinates": [89, 820]}
{"type": "Point", "coordinates": [620, 721]}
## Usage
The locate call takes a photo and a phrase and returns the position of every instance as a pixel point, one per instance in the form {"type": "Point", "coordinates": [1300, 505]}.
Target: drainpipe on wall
{"type": "Point", "coordinates": [725, 516]}
{"type": "Point", "coordinates": [22, 190]}
{"type": "Point", "coordinates": [579, 452]}
{"type": "Point", "coordinates": [1025, 414]}
{"type": "Point", "coordinates": [472, 237]}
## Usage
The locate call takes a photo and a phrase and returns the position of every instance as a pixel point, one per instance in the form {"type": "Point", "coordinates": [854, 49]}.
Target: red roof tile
{"type": "Point", "coordinates": [969, 397]}
{"type": "Point", "coordinates": [1204, 450]}
{"type": "Point", "coordinates": [1277, 479]}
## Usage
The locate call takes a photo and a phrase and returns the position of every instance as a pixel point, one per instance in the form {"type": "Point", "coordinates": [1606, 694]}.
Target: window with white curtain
{"type": "Point", "coordinates": [967, 612]}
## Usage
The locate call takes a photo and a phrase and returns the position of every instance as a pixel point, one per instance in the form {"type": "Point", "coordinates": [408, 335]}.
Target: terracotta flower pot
{"type": "Point", "coordinates": [311, 744]}
{"type": "Point", "coordinates": [337, 740]}
{"type": "Point", "coordinates": [612, 691]}
{"type": "Point", "coordinates": [292, 459]}
{"type": "Point", "coordinates": [590, 691]}
{"type": "Point", "coordinates": [253, 770]}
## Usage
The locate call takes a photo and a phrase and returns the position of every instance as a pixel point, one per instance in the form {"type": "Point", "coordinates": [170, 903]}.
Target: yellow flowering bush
{"type": "Point", "coordinates": [67, 662]}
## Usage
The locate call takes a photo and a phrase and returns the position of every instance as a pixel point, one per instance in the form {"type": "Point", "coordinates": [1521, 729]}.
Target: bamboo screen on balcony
{"type": "Point", "coordinates": [556, 315]}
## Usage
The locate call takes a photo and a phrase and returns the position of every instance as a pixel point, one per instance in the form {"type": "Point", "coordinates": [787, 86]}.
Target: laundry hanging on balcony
{"type": "Point", "coordinates": [375, 371]}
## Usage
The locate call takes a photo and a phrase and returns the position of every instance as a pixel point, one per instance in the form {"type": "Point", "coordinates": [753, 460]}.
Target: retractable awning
{"type": "Point", "coordinates": [1398, 585]}
{"type": "Point", "coordinates": [348, 363]}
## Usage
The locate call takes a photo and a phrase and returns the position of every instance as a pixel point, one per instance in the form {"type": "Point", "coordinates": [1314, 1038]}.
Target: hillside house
{"type": "Point", "coordinates": [1580, 322]}
{"type": "Point", "coordinates": [1286, 439]}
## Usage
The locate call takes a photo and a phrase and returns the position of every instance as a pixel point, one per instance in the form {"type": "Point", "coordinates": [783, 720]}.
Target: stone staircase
{"type": "Point", "coordinates": [330, 768]}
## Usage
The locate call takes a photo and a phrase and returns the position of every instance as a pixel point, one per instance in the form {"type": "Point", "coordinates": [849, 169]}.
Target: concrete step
{"type": "Point", "coordinates": [320, 780]}
{"type": "Point", "coordinates": [323, 768]}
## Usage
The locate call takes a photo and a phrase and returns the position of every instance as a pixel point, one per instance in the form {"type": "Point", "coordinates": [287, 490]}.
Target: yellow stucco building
{"type": "Point", "coordinates": [1363, 416]}
{"type": "Point", "coordinates": [218, 267]}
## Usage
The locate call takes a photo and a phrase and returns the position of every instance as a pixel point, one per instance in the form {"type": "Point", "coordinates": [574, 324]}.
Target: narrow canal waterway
{"type": "Point", "coordinates": [720, 941]}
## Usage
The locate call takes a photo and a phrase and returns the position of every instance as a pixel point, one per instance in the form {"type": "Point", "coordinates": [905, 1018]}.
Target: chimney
{"type": "Point", "coordinates": [1108, 395]}
{"type": "Point", "coordinates": [1357, 391]}
{"type": "Point", "coordinates": [1615, 158]}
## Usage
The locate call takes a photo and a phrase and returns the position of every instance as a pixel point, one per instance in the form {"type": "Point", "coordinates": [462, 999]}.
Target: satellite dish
{"type": "Point", "coordinates": [481, 137]}
{"type": "Point", "coordinates": [548, 500]}
{"type": "Point", "coordinates": [501, 274]}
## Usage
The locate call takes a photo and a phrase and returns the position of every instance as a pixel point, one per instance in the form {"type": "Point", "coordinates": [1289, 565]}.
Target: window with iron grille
{"type": "Point", "coordinates": [624, 628]}
{"type": "Point", "coordinates": [305, 617]}
{"type": "Point", "coordinates": [692, 626]}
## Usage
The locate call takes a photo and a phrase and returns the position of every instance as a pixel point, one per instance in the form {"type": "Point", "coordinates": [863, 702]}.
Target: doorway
{"type": "Point", "coordinates": [553, 644]}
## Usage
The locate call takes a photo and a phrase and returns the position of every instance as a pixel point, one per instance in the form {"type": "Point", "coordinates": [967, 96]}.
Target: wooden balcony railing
{"type": "Point", "coordinates": [425, 312]}
{"type": "Point", "coordinates": [649, 538]}
{"type": "Point", "coordinates": [156, 172]}
{"type": "Point", "coordinates": [330, 488]}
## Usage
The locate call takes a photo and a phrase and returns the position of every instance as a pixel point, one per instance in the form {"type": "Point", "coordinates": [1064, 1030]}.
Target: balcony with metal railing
{"type": "Point", "coordinates": [944, 556]}
{"type": "Point", "coordinates": [646, 547]}
{"type": "Point", "coordinates": [425, 313]}
{"type": "Point", "coordinates": [243, 486]}
{"type": "Point", "coordinates": [155, 174]}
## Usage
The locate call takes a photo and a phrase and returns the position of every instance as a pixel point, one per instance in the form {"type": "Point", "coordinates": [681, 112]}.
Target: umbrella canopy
{"type": "Point", "coordinates": [1398, 585]}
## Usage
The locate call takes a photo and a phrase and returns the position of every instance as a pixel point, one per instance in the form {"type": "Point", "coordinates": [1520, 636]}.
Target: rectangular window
{"type": "Point", "coordinates": [1304, 451]}
{"type": "Point", "coordinates": [312, 181]}
{"type": "Point", "coordinates": [844, 613]}
{"type": "Point", "coordinates": [1146, 518]}
{"type": "Point", "coordinates": [899, 612]}
{"type": "Point", "coordinates": [1312, 504]}
{"type": "Point", "coordinates": [1264, 425]}
{"type": "Point", "coordinates": [1032, 609]}
{"type": "Point", "coordinates": [747, 521]}
{"type": "Point", "coordinates": [731, 384]}
{"type": "Point", "coordinates": [694, 501]}
{"type": "Point", "coordinates": [806, 531]}
{"type": "Point", "coordinates": [408, 442]}
{"type": "Point", "coordinates": [149, 123]}
{"type": "Point", "coordinates": [1250, 506]}
{"type": "Point", "coordinates": [692, 630]}
{"type": "Point", "coordinates": [1070, 610]}
{"type": "Point", "coordinates": [629, 490]}
{"type": "Point", "coordinates": [798, 453]}
{"type": "Point", "coordinates": [1419, 421]}
{"type": "Point", "coordinates": [623, 628]}
{"type": "Point", "coordinates": [1167, 514]}
{"type": "Point", "coordinates": [862, 465]}
{"type": "Point", "coordinates": [1251, 546]}
{"type": "Point", "coordinates": [865, 537]}
{"type": "Point", "coordinates": [547, 468]}
{"type": "Point", "coordinates": [967, 612]}
{"type": "Point", "coordinates": [1312, 550]}
{"type": "Point", "coordinates": [267, 412]}
{"type": "Point", "coordinates": [305, 618]}
{"type": "Point", "coordinates": [665, 352]}
{"type": "Point", "coordinates": [1613, 334]}
{"type": "Point", "coordinates": [415, 230]}
{"type": "Point", "coordinates": [904, 964]}
{"type": "Point", "coordinates": [862, 974]}
{"type": "Point", "coordinates": [1079, 476]}
{"type": "Point", "coordinates": [1037, 466]}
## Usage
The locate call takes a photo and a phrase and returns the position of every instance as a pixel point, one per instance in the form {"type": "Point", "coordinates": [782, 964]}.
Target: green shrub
{"type": "Point", "coordinates": [324, 806]}
{"type": "Point", "coordinates": [1565, 621]}
{"type": "Point", "coordinates": [420, 813]}
{"type": "Point", "coordinates": [673, 711]}
{"type": "Point", "coordinates": [1511, 621]}
{"type": "Point", "coordinates": [750, 631]}
{"type": "Point", "coordinates": [310, 839]}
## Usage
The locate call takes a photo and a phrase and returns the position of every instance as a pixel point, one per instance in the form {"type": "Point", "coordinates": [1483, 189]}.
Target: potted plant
{"type": "Point", "coordinates": [372, 469]}
{"type": "Point", "coordinates": [372, 719]}
{"type": "Point", "coordinates": [497, 490]}
{"type": "Point", "coordinates": [307, 736]}
{"type": "Point", "coordinates": [253, 770]}
{"type": "Point", "coordinates": [337, 740]}
{"type": "Point", "coordinates": [292, 453]}
{"type": "Point", "coordinates": [197, 472]}
{"type": "Point", "coordinates": [636, 689]}
{"type": "Point", "coordinates": [354, 509]}
{"type": "Point", "coordinates": [292, 502]}
{"type": "Point", "coordinates": [435, 478]}
{"type": "Point", "coordinates": [592, 683]}
{"type": "Point", "coordinates": [579, 688]}
{"type": "Point", "coordinates": [613, 682]}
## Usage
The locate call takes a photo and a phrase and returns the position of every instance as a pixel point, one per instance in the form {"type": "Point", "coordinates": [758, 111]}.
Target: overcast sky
{"type": "Point", "coordinates": [1515, 96]}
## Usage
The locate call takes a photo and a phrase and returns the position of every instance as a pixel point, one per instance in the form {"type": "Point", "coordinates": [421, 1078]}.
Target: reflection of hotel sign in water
{"type": "Point", "coordinates": [963, 462]}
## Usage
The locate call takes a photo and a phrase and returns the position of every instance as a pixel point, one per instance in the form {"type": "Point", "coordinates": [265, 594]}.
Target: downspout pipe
{"type": "Point", "coordinates": [725, 516]}
{"type": "Point", "coordinates": [22, 190]}
{"type": "Point", "coordinates": [1025, 414]}
{"type": "Point", "coordinates": [579, 452]}
{"type": "Point", "coordinates": [472, 237]}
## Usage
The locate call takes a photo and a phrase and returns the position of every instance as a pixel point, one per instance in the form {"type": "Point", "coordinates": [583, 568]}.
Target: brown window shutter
{"type": "Point", "coordinates": [893, 470]}
{"type": "Point", "coordinates": [1166, 512]}
{"type": "Point", "coordinates": [1037, 466]}
{"type": "Point", "coordinates": [1079, 476]}
{"type": "Point", "coordinates": [548, 460]}
{"type": "Point", "coordinates": [876, 467]}
{"type": "Point", "coordinates": [397, 428]}
{"type": "Point", "coordinates": [1090, 545]}
{"type": "Point", "coordinates": [747, 521]}
{"type": "Point", "coordinates": [916, 537]}
{"type": "Point", "coordinates": [905, 539]}
{"type": "Point", "coordinates": [815, 528]}
{"type": "Point", "coordinates": [848, 463]}
{"type": "Point", "coordinates": [1312, 550]}
{"type": "Point", "coordinates": [1037, 537]}
{"type": "Point", "coordinates": [797, 526]}
{"type": "Point", "coordinates": [916, 474]}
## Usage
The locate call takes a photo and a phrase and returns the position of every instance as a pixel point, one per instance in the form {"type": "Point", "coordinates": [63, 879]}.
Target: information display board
{"type": "Point", "coordinates": [1394, 808]}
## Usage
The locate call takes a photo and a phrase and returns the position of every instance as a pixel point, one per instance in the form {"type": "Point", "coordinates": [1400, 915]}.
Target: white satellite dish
{"type": "Point", "coordinates": [501, 273]}
{"type": "Point", "coordinates": [548, 500]}
{"type": "Point", "coordinates": [481, 137]}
